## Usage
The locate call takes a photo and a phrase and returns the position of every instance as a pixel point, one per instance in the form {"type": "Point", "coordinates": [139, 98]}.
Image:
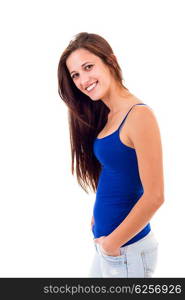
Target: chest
{"type": "Point", "coordinates": [112, 126]}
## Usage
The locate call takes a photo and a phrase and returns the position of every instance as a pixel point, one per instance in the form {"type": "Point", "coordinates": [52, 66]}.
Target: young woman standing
{"type": "Point", "coordinates": [116, 141]}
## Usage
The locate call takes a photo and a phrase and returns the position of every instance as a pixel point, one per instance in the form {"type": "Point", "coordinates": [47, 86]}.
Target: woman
{"type": "Point", "coordinates": [122, 164]}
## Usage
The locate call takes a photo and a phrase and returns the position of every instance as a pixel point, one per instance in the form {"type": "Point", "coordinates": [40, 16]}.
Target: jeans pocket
{"type": "Point", "coordinates": [110, 257]}
{"type": "Point", "coordinates": [112, 266]}
{"type": "Point", "coordinates": [149, 259]}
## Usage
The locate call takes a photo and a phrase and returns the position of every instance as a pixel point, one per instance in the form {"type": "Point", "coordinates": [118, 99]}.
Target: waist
{"type": "Point", "coordinates": [118, 187]}
{"type": "Point", "coordinates": [117, 196]}
{"type": "Point", "coordinates": [104, 231]}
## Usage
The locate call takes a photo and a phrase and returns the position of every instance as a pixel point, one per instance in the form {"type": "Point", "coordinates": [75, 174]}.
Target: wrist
{"type": "Point", "coordinates": [110, 244]}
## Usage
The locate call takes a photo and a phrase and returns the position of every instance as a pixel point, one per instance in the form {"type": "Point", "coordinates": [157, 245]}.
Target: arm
{"type": "Point", "coordinates": [145, 135]}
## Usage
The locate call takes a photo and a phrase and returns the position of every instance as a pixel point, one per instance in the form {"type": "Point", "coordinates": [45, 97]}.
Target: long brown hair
{"type": "Point", "coordinates": [86, 117]}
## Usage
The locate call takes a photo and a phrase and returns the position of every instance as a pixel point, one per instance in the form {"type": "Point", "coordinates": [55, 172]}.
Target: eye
{"type": "Point", "coordinates": [73, 76]}
{"type": "Point", "coordinates": [88, 66]}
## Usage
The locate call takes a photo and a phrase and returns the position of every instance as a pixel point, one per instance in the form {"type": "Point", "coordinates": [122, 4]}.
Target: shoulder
{"type": "Point", "coordinates": [142, 108]}
{"type": "Point", "coordinates": [142, 114]}
{"type": "Point", "coordinates": [142, 123]}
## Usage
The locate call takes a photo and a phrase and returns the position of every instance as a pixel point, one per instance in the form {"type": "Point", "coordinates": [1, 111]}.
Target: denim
{"type": "Point", "coordinates": [136, 260]}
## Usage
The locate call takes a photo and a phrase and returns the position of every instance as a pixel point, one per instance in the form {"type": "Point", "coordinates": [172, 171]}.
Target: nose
{"type": "Point", "coordinates": [84, 81]}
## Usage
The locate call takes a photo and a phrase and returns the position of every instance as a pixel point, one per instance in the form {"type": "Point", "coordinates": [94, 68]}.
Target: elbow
{"type": "Point", "coordinates": [157, 198]}
{"type": "Point", "coordinates": [160, 201]}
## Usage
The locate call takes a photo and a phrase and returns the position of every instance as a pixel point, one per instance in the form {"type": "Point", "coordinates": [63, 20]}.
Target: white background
{"type": "Point", "coordinates": [44, 214]}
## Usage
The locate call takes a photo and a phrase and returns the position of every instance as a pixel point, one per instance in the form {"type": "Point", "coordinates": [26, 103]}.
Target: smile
{"type": "Point", "coordinates": [92, 86]}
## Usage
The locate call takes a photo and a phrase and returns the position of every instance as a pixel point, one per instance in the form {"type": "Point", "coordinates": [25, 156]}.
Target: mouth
{"type": "Point", "coordinates": [92, 87]}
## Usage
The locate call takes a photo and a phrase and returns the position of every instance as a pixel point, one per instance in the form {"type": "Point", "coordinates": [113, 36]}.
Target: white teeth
{"type": "Point", "coordinates": [91, 86]}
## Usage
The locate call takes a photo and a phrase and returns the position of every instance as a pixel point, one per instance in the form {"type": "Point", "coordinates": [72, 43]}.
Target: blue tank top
{"type": "Point", "coordinates": [119, 185]}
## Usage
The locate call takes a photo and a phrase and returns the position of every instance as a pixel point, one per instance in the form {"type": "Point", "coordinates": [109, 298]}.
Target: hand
{"type": "Point", "coordinates": [105, 248]}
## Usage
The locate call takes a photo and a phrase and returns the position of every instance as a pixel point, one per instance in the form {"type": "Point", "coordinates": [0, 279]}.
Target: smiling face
{"type": "Point", "coordinates": [85, 68]}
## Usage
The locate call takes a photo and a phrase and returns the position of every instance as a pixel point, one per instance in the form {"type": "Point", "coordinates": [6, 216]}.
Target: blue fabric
{"type": "Point", "coordinates": [119, 185]}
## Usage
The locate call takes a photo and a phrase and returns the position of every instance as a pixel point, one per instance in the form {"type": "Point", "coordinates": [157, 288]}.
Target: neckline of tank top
{"type": "Point", "coordinates": [99, 139]}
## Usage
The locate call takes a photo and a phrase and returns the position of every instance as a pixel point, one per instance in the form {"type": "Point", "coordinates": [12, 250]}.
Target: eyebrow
{"type": "Point", "coordinates": [82, 65]}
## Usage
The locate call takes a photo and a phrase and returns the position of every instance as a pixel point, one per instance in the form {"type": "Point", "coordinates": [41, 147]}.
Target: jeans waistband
{"type": "Point", "coordinates": [149, 236]}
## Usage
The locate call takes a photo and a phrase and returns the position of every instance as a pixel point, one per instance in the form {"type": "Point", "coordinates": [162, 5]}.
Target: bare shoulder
{"type": "Point", "coordinates": [142, 123]}
{"type": "Point", "coordinates": [141, 114]}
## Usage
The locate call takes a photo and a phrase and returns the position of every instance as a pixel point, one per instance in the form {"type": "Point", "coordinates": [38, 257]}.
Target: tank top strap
{"type": "Point", "coordinates": [128, 113]}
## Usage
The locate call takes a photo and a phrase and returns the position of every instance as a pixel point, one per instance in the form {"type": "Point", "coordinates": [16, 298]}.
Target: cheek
{"type": "Point", "coordinates": [105, 83]}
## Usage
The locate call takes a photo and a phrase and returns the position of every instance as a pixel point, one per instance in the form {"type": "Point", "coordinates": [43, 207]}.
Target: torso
{"type": "Point", "coordinates": [114, 122]}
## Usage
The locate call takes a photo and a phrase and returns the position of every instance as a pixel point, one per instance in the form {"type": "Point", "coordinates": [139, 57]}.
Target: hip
{"type": "Point", "coordinates": [138, 259]}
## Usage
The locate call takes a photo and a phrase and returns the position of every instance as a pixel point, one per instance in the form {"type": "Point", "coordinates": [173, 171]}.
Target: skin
{"type": "Point", "coordinates": [147, 143]}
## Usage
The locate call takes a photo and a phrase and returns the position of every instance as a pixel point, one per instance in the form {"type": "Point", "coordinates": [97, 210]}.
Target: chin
{"type": "Point", "coordinates": [95, 99]}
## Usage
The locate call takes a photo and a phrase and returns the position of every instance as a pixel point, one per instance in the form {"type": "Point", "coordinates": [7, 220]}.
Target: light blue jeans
{"type": "Point", "coordinates": [138, 259]}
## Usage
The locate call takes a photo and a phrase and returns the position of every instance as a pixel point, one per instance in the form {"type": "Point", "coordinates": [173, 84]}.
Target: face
{"type": "Point", "coordinates": [86, 69]}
